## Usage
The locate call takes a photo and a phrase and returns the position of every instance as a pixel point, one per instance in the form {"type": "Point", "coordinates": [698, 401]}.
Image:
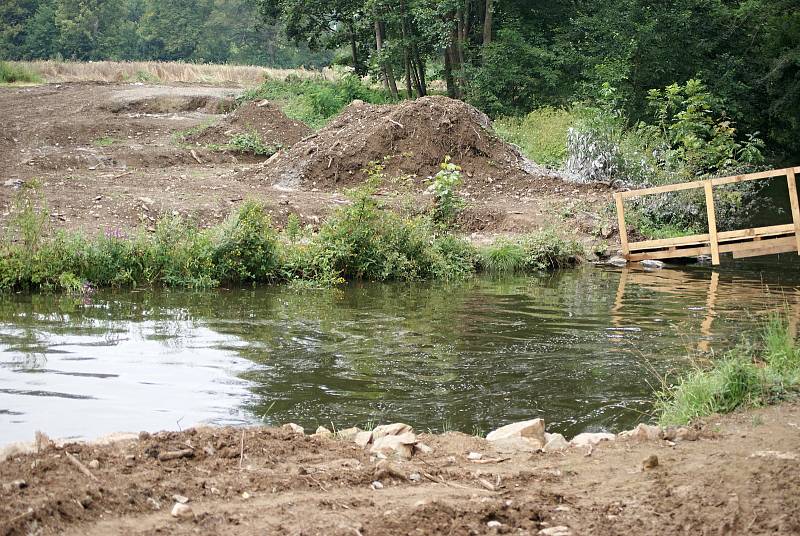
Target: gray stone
{"type": "Point", "coordinates": [348, 434]}
{"type": "Point", "coordinates": [322, 432]}
{"type": "Point", "coordinates": [401, 446]}
{"type": "Point", "coordinates": [362, 439]}
{"type": "Point", "coordinates": [296, 428]}
{"type": "Point", "coordinates": [390, 429]}
{"type": "Point", "coordinates": [617, 261]}
{"type": "Point", "coordinates": [182, 511]}
{"type": "Point", "coordinates": [586, 439]}
{"type": "Point", "coordinates": [643, 432]}
{"type": "Point", "coordinates": [556, 443]}
{"type": "Point", "coordinates": [532, 431]}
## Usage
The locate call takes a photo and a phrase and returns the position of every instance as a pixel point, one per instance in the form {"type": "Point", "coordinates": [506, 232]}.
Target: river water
{"type": "Point", "coordinates": [582, 348]}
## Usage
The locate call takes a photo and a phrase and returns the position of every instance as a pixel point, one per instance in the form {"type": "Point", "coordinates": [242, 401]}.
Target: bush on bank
{"type": "Point", "coordinates": [360, 241]}
{"type": "Point", "coordinates": [752, 374]}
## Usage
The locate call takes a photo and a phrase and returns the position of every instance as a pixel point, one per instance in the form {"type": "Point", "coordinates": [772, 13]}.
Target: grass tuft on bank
{"type": "Point", "coordinates": [360, 241]}
{"type": "Point", "coordinates": [751, 374]}
{"type": "Point", "coordinates": [15, 74]}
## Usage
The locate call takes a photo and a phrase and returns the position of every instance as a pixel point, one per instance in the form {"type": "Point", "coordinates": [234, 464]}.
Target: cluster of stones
{"type": "Point", "coordinates": [396, 439]}
{"type": "Point", "coordinates": [531, 436]}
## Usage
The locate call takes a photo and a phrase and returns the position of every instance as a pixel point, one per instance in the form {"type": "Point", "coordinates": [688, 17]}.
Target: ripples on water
{"type": "Point", "coordinates": [580, 348]}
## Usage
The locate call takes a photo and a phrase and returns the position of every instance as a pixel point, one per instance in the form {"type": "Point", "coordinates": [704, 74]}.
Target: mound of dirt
{"type": "Point", "coordinates": [410, 139]}
{"type": "Point", "coordinates": [264, 118]}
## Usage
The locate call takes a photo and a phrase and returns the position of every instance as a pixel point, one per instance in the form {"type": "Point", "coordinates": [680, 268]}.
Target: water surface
{"type": "Point", "coordinates": [581, 348]}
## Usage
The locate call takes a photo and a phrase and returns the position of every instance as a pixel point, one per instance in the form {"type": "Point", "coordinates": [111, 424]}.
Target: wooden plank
{"type": "Point", "coordinates": [761, 245]}
{"type": "Point", "coordinates": [662, 189]}
{"type": "Point", "coordinates": [712, 223]}
{"type": "Point", "coordinates": [771, 250]}
{"type": "Point", "coordinates": [790, 179]}
{"type": "Point", "coordinates": [667, 242]}
{"type": "Point", "coordinates": [750, 177]}
{"type": "Point", "coordinates": [756, 231]}
{"type": "Point", "coordinates": [724, 236]}
{"type": "Point", "coordinates": [623, 231]}
{"type": "Point", "coordinates": [688, 252]}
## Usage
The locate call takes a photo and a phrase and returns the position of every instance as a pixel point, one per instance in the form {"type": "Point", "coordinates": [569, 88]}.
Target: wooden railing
{"type": "Point", "coordinates": [742, 243]}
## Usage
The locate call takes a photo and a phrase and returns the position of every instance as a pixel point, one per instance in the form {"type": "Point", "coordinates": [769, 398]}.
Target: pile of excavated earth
{"type": "Point", "coordinates": [722, 478]}
{"type": "Point", "coordinates": [263, 118]}
{"type": "Point", "coordinates": [410, 140]}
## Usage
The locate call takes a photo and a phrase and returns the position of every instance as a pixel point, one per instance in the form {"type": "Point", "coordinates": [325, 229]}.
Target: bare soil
{"type": "Point", "coordinates": [262, 118]}
{"type": "Point", "coordinates": [741, 477]}
{"type": "Point", "coordinates": [111, 155]}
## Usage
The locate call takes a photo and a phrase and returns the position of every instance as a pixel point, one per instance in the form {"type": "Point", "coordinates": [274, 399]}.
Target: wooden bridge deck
{"type": "Point", "coordinates": [741, 243]}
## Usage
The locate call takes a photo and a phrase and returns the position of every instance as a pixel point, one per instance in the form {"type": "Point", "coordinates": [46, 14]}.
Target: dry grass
{"type": "Point", "coordinates": [163, 72]}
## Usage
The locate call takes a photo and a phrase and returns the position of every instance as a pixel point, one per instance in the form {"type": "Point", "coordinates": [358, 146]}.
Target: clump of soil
{"type": "Point", "coordinates": [263, 118]}
{"type": "Point", "coordinates": [410, 139]}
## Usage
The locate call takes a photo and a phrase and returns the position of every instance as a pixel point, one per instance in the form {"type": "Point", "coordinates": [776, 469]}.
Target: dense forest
{"type": "Point", "coordinates": [507, 57]}
{"type": "Point", "coordinates": [203, 31]}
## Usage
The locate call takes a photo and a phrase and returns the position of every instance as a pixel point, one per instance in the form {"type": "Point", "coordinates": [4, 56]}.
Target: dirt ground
{"type": "Point", "coordinates": [741, 477]}
{"type": "Point", "coordinates": [111, 156]}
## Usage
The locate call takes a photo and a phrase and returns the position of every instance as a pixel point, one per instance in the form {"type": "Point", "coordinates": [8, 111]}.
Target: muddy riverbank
{"type": "Point", "coordinates": [740, 476]}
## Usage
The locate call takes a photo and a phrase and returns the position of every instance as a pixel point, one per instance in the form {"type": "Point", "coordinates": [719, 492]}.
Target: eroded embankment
{"type": "Point", "coordinates": [736, 474]}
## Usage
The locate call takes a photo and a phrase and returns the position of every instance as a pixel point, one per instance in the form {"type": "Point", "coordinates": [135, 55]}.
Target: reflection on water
{"type": "Point", "coordinates": [579, 348]}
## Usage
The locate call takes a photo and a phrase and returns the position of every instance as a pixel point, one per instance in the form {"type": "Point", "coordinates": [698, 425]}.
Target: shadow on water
{"type": "Point", "coordinates": [582, 348]}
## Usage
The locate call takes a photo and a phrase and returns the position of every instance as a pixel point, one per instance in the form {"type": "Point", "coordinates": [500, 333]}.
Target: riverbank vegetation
{"type": "Point", "coordinates": [360, 241]}
{"type": "Point", "coordinates": [13, 74]}
{"type": "Point", "coordinates": [756, 373]}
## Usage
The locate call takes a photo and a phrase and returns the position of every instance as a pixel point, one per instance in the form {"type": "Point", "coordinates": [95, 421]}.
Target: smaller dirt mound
{"type": "Point", "coordinates": [174, 104]}
{"type": "Point", "coordinates": [262, 118]}
{"type": "Point", "coordinates": [410, 139]}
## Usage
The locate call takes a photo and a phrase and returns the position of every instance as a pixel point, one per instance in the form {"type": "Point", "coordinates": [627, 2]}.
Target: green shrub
{"type": "Point", "coordinates": [10, 74]}
{"type": "Point", "coordinates": [245, 246]}
{"type": "Point", "coordinates": [315, 101]}
{"type": "Point", "coordinates": [531, 253]}
{"type": "Point", "coordinates": [542, 134]}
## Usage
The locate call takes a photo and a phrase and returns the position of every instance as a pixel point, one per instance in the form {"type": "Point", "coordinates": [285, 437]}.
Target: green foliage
{"type": "Point", "coordinates": [534, 252]}
{"type": "Point", "coordinates": [541, 134]}
{"type": "Point", "coordinates": [11, 74]}
{"type": "Point", "coordinates": [447, 203]}
{"type": "Point", "coordinates": [315, 101]}
{"type": "Point", "coordinates": [695, 137]}
{"type": "Point", "coordinates": [293, 230]}
{"type": "Point", "coordinates": [744, 377]}
{"type": "Point", "coordinates": [250, 143]}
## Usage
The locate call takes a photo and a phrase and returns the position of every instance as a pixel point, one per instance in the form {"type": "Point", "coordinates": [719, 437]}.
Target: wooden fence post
{"type": "Point", "coordinates": [623, 231]}
{"type": "Point", "coordinates": [712, 222]}
{"type": "Point", "coordinates": [790, 179]}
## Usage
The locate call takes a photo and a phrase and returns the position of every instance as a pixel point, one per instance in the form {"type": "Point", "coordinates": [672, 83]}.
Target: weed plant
{"type": "Point", "coordinates": [749, 375]}
{"type": "Point", "coordinates": [250, 143]}
{"type": "Point", "coordinates": [540, 251]}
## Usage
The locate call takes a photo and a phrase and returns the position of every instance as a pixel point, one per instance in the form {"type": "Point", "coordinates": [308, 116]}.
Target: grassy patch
{"type": "Point", "coordinates": [360, 241]}
{"type": "Point", "coordinates": [534, 252]}
{"type": "Point", "coordinates": [14, 74]}
{"type": "Point", "coordinates": [250, 143]}
{"type": "Point", "coordinates": [749, 375]}
{"type": "Point", "coordinates": [314, 101]}
{"type": "Point", "coordinates": [106, 141]}
{"type": "Point", "coordinates": [542, 134]}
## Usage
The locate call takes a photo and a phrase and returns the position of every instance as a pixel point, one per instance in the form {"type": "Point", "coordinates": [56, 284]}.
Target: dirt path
{"type": "Point", "coordinates": [108, 157]}
{"type": "Point", "coordinates": [741, 477]}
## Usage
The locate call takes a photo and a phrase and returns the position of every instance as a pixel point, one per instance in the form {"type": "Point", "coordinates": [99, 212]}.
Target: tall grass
{"type": "Point", "coordinates": [540, 251]}
{"type": "Point", "coordinates": [749, 375]}
{"type": "Point", "coordinates": [164, 72]}
{"type": "Point", "coordinates": [360, 241]}
{"type": "Point", "coordinates": [11, 73]}
{"type": "Point", "coordinates": [542, 134]}
{"type": "Point", "coordinates": [315, 100]}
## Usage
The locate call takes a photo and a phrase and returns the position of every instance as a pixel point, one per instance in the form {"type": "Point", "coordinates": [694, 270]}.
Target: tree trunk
{"type": "Point", "coordinates": [448, 73]}
{"type": "Point", "coordinates": [420, 68]}
{"type": "Point", "coordinates": [407, 68]}
{"type": "Point", "coordinates": [487, 23]}
{"type": "Point", "coordinates": [386, 68]}
{"type": "Point", "coordinates": [354, 51]}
